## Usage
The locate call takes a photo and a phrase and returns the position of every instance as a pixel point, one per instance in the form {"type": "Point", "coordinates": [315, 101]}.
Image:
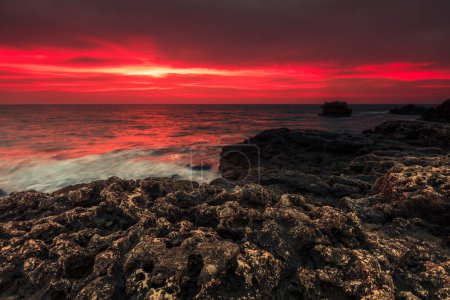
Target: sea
{"type": "Point", "coordinates": [47, 147]}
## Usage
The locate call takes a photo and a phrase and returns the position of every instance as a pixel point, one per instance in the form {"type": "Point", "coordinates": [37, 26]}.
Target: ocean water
{"type": "Point", "coordinates": [46, 147]}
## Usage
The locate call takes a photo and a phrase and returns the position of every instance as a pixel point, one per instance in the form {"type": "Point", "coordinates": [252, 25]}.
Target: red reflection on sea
{"type": "Point", "coordinates": [46, 147]}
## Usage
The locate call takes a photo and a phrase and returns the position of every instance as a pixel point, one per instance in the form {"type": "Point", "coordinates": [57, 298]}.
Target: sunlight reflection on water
{"type": "Point", "coordinates": [48, 147]}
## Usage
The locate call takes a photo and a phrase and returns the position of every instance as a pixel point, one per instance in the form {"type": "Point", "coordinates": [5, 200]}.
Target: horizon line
{"type": "Point", "coordinates": [206, 104]}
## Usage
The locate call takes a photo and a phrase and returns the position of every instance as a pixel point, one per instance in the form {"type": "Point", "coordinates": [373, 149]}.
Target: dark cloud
{"type": "Point", "coordinates": [240, 32]}
{"type": "Point", "coordinates": [86, 60]}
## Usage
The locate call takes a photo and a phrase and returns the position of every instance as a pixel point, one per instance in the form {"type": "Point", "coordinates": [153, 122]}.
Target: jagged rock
{"type": "Point", "coordinates": [336, 109]}
{"type": "Point", "coordinates": [243, 243]}
{"type": "Point", "coordinates": [416, 133]}
{"type": "Point", "coordinates": [318, 216]}
{"type": "Point", "coordinates": [412, 110]}
{"type": "Point", "coordinates": [330, 164]}
{"type": "Point", "coordinates": [417, 191]}
{"type": "Point", "coordinates": [408, 191]}
{"type": "Point", "coordinates": [440, 113]}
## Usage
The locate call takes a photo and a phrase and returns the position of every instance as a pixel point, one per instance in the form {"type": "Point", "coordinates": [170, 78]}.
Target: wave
{"type": "Point", "coordinates": [48, 175]}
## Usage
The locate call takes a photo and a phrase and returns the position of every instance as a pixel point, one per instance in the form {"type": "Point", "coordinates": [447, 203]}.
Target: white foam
{"type": "Point", "coordinates": [48, 175]}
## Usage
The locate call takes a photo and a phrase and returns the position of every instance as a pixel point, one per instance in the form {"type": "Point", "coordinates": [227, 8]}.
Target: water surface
{"type": "Point", "coordinates": [46, 147]}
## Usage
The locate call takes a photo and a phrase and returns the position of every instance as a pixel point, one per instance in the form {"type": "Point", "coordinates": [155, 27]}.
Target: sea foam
{"type": "Point", "coordinates": [48, 175]}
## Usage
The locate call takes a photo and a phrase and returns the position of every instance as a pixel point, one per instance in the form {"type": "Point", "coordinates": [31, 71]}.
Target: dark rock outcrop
{"type": "Point", "coordinates": [2, 193]}
{"type": "Point", "coordinates": [335, 216]}
{"type": "Point", "coordinates": [336, 109]}
{"type": "Point", "coordinates": [411, 110]}
{"type": "Point", "coordinates": [416, 133]}
{"type": "Point", "coordinates": [200, 167]}
{"type": "Point", "coordinates": [439, 114]}
{"type": "Point", "coordinates": [326, 164]}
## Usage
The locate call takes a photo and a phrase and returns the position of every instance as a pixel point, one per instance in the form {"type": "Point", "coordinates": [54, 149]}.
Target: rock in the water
{"type": "Point", "coordinates": [176, 176]}
{"type": "Point", "coordinates": [201, 167]}
{"type": "Point", "coordinates": [440, 113]}
{"type": "Point", "coordinates": [411, 110]}
{"type": "Point", "coordinates": [336, 109]}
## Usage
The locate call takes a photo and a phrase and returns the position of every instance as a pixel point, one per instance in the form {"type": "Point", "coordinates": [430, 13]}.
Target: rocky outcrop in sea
{"type": "Point", "coordinates": [297, 214]}
{"type": "Point", "coordinates": [336, 109]}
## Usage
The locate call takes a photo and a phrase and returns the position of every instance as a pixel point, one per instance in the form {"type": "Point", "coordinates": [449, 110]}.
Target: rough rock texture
{"type": "Point", "coordinates": [409, 191]}
{"type": "Point", "coordinates": [439, 114]}
{"type": "Point", "coordinates": [332, 165]}
{"type": "Point", "coordinates": [416, 133]}
{"type": "Point", "coordinates": [336, 216]}
{"type": "Point", "coordinates": [411, 110]}
{"type": "Point", "coordinates": [336, 109]}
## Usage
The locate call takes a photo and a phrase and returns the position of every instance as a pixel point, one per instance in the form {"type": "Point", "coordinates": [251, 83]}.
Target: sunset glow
{"type": "Point", "coordinates": [120, 72]}
{"type": "Point", "coordinates": [60, 63]}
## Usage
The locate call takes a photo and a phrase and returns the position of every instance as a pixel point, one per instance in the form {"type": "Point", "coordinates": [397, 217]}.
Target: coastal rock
{"type": "Point", "coordinates": [407, 192]}
{"type": "Point", "coordinates": [2, 193]}
{"type": "Point", "coordinates": [411, 110]}
{"type": "Point", "coordinates": [439, 114]}
{"type": "Point", "coordinates": [416, 133]}
{"type": "Point", "coordinates": [318, 215]}
{"type": "Point", "coordinates": [331, 165]}
{"type": "Point", "coordinates": [176, 177]}
{"type": "Point", "coordinates": [417, 191]}
{"type": "Point", "coordinates": [208, 242]}
{"type": "Point", "coordinates": [336, 109]}
{"type": "Point", "coordinates": [200, 167]}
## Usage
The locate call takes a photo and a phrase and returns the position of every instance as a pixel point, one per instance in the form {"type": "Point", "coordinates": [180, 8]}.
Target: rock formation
{"type": "Point", "coordinates": [336, 109]}
{"type": "Point", "coordinates": [297, 215]}
{"type": "Point", "coordinates": [439, 114]}
{"type": "Point", "coordinates": [199, 167]}
{"type": "Point", "coordinates": [416, 133]}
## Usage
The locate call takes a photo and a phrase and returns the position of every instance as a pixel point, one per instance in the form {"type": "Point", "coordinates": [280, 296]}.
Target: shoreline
{"type": "Point", "coordinates": [302, 213]}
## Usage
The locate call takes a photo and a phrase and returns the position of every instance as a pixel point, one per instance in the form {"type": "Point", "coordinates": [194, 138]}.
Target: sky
{"type": "Point", "coordinates": [233, 51]}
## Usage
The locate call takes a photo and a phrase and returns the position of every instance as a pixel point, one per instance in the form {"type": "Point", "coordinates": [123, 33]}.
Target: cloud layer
{"type": "Point", "coordinates": [227, 51]}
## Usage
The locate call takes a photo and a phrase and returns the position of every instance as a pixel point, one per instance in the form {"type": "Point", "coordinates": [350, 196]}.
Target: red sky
{"type": "Point", "coordinates": [243, 51]}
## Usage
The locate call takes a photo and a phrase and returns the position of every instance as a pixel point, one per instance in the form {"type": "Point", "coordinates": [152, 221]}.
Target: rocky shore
{"type": "Point", "coordinates": [297, 214]}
